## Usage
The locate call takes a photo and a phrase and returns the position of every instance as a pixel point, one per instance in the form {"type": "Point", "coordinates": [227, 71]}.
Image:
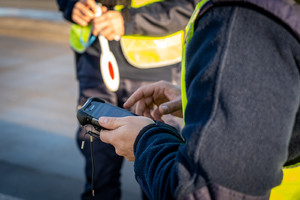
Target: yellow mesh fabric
{"type": "Point", "coordinates": [139, 3]}
{"type": "Point", "coordinates": [76, 32]}
{"type": "Point", "coordinates": [289, 189]}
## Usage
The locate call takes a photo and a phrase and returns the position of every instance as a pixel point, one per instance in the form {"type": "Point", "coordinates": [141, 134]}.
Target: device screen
{"type": "Point", "coordinates": [99, 109]}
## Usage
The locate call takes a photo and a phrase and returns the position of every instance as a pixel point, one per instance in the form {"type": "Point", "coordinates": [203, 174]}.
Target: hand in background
{"type": "Point", "coordinates": [110, 25]}
{"type": "Point", "coordinates": [84, 11]}
{"type": "Point", "coordinates": [164, 95]}
{"type": "Point", "coordinates": [122, 133]}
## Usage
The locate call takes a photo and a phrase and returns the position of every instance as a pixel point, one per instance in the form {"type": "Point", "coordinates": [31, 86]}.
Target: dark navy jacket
{"type": "Point", "coordinates": [242, 117]}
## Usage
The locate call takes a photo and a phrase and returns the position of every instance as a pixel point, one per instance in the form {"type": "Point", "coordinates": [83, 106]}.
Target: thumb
{"type": "Point", "coordinates": [110, 122]}
{"type": "Point", "coordinates": [171, 106]}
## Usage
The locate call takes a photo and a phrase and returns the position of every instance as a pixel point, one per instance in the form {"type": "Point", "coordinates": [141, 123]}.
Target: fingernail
{"type": "Point", "coordinates": [165, 108]}
{"type": "Point", "coordinates": [103, 120]}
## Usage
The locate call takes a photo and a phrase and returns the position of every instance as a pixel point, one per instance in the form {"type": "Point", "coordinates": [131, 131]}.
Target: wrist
{"type": "Point", "coordinates": [162, 127]}
{"type": "Point", "coordinates": [141, 133]}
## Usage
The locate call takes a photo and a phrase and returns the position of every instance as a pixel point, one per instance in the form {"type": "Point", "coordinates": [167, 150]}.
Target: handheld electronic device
{"type": "Point", "coordinates": [90, 112]}
{"type": "Point", "coordinates": [94, 108]}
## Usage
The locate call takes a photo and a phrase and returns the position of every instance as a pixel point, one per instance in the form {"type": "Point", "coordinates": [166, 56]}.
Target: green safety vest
{"type": "Point", "coordinates": [289, 189]}
{"type": "Point", "coordinates": [139, 51]}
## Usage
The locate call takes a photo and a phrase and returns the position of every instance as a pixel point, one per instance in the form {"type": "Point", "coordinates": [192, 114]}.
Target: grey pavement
{"type": "Point", "coordinates": [39, 158]}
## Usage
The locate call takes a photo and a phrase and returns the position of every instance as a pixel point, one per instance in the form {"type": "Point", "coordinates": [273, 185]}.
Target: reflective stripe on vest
{"type": "Point", "coordinates": [152, 52]}
{"type": "Point", "coordinates": [289, 189]}
{"type": "Point", "coordinates": [139, 51]}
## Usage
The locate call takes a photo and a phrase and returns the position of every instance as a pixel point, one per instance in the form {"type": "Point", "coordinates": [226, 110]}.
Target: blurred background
{"type": "Point", "coordinates": [38, 154]}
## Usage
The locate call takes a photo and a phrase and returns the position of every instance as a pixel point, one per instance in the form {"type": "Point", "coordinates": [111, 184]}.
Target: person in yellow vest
{"type": "Point", "coordinates": [240, 98]}
{"type": "Point", "coordinates": [113, 67]}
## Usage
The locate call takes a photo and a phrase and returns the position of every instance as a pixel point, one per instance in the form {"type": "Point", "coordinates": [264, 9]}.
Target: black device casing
{"type": "Point", "coordinates": [94, 108]}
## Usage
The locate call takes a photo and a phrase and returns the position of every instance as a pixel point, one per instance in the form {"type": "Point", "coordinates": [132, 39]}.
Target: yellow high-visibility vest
{"type": "Point", "coordinates": [289, 189]}
{"type": "Point", "coordinates": [79, 37]}
{"type": "Point", "coordinates": [139, 51]}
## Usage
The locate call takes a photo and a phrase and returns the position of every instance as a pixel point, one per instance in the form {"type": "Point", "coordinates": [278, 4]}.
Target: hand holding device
{"type": "Point", "coordinates": [94, 108]}
{"type": "Point", "coordinates": [88, 116]}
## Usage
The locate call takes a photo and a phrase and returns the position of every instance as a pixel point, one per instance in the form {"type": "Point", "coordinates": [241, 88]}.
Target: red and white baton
{"type": "Point", "coordinates": [108, 64]}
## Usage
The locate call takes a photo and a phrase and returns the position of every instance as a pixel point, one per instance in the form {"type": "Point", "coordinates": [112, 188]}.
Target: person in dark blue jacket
{"type": "Point", "coordinates": [241, 104]}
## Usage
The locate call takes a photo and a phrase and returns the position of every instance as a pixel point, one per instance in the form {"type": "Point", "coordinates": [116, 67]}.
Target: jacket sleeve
{"type": "Point", "coordinates": [159, 18]}
{"type": "Point", "coordinates": [155, 166]}
{"type": "Point", "coordinates": [66, 7]}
